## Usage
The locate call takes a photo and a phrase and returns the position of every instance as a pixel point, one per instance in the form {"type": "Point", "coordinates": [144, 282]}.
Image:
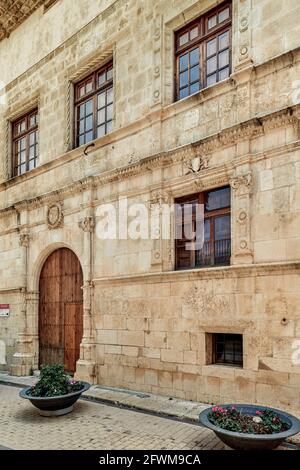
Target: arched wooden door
{"type": "Point", "coordinates": [60, 309]}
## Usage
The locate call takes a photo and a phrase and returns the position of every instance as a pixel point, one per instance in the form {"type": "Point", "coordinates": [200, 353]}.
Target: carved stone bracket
{"type": "Point", "coordinates": [87, 224]}
{"type": "Point", "coordinates": [237, 182]}
{"type": "Point", "coordinates": [24, 239]}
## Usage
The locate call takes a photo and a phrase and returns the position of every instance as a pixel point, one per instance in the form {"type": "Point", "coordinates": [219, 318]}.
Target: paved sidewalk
{"type": "Point", "coordinates": [164, 406]}
{"type": "Point", "coordinates": [161, 406]}
{"type": "Point", "coordinates": [94, 426]}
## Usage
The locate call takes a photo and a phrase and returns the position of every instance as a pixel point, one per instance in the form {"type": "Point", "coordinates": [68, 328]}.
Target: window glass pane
{"type": "Point", "coordinates": [109, 74]}
{"type": "Point", "coordinates": [223, 74]}
{"type": "Point", "coordinates": [37, 149]}
{"type": "Point", "coordinates": [223, 59]}
{"type": "Point", "coordinates": [206, 230]}
{"type": "Point", "coordinates": [32, 138]}
{"type": "Point", "coordinates": [101, 131]}
{"type": "Point", "coordinates": [109, 112]}
{"type": "Point", "coordinates": [224, 40]}
{"type": "Point", "coordinates": [222, 227]}
{"type": "Point", "coordinates": [109, 126]}
{"type": "Point", "coordinates": [183, 79]}
{"type": "Point", "coordinates": [81, 139]}
{"type": "Point", "coordinates": [183, 39]}
{"type": "Point", "coordinates": [22, 157]}
{"type": "Point", "coordinates": [211, 47]}
{"type": "Point", "coordinates": [110, 95]}
{"type": "Point", "coordinates": [32, 120]}
{"type": "Point", "coordinates": [89, 123]}
{"type": "Point", "coordinates": [194, 33]}
{"type": "Point", "coordinates": [81, 91]}
{"type": "Point", "coordinates": [23, 143]}
{"type": "Point", "coordinates": [217, 199]}
{"type": "Point", "coordinates": [194, 88]}
{"type": "Point", "coordinates": [211, 65]}
{"type": "Point", "coordinates": [224, 15]}
{"type": "Point", "coordinates": [212, 21]}
{"type": "Point", "coordinates": [31, 164]}
{"type": "Point", "coordinates": [81, 126]}
{"type": "Point", "coordinates": [102, 78]}
{"type": "Point", "coordinates": [81, 110]}
{"type": "Point", "coordinates": [89, 136]}
{"type": "Point", "coordinates": [22, 169]}
{"type": "Point", "coordinates": [194, 73]}
{"type": "Point", "coordinates": [212, 79]}
{"type": "Point", "coordinates": [194, 56]}
{"type": "Point", "coordinates": [89, 107]}
{"type": "Point", "coordinates": [183, 62]}
{"type": "Point", "coordinates": [31, 152]}
{"type": "Point", "coordinates": [89, 87]}
{"type": "Point", "coordinates": [183, 93]}
{"type": "Point", "coordinates": [101, 100]}
{"type": "Point", "coordinates": [101, 116]}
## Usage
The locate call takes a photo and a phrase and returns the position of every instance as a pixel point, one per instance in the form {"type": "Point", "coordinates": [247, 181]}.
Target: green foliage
{"type": "Point", "coordinates": [53, 382]}
{"type": "Point", "coordinates": [264, 421]}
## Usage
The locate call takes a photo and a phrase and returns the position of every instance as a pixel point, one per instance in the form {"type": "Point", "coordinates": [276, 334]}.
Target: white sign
{"type": "Point", "coordinates": [4, 310]}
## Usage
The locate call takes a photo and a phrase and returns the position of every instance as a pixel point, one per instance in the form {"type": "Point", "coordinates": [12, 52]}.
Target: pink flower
{"type": "Point", "coordinates": [258, 412]}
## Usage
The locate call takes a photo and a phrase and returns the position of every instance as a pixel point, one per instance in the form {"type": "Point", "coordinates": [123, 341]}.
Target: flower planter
{"type": "Point", "coordinates": [57, 405]}
{"type": "Point", "coordinates": [247, 441]}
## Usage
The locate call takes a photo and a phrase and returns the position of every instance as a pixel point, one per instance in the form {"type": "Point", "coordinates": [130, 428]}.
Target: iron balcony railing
{"type": "Point", "coordinates": [215, 253]}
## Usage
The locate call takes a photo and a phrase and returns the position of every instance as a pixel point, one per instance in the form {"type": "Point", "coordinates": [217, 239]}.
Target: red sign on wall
{"type": "Point", "coordinates": [4, 310]}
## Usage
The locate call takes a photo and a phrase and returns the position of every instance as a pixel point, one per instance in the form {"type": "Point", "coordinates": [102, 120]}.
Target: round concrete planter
{"type": "Point", "coordinates": [54, 406]}
{"type": "Point", "coordinates": [243, 441]}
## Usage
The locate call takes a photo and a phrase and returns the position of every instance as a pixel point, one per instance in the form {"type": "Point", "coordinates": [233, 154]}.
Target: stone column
{"type": "Point", "coordinates": [86, 365]}
{"type": "Point", "coordinates": [25, 359]}
{"type": "Point", "coordinates": [242, 251]}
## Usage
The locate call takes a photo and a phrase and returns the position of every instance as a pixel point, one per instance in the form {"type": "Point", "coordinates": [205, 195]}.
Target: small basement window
{"type": "Point", "coordinates": [227, 349]}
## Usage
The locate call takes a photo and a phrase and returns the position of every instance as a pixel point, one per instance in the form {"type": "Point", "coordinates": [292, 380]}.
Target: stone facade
{"type": "Point", "coordinates": [146, 325]}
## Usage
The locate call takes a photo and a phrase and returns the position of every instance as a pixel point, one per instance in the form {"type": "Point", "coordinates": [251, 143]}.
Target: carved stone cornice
{"type": "Point", "coordinates": [227, 137]}
{"type": "Point", "coordinates": [227, 272]}
{"type": "Point", "coordinates": [14, 12]}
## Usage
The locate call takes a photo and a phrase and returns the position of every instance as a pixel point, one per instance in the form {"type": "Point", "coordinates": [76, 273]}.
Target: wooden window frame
{"type": "Point", "coordinates": [200, 199]}
{"type": "Point", "coordinates": [16, 137]}
{"type": "Point", "coordinates": [93, 94]}
{"type": "Point", "coordinates": [216, 338]}
{"type": "Point", "coordinates": [204, 36]}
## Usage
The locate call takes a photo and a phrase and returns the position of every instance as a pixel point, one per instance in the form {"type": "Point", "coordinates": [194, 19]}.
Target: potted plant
{"type": "Point", "coordinates": [56, 392]}
{"type": "Point", "coordinates": [250, 427]}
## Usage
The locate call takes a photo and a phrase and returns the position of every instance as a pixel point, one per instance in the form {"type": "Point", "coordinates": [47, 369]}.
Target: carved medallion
{"type": "Point", "coordinates": [196, 164]}
{"type": "Point", "coordinates": [55, 216]}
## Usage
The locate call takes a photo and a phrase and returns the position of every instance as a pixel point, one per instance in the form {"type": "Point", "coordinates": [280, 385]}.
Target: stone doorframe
{"type": "Point", "coordinates": [26, 356]}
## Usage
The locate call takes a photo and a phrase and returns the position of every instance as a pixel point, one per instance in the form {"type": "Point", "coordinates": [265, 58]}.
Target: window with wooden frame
{"type": "Point", "coordinates": [94, 105]}
{"type": "Point", "coordinates": [203, 51]}
{"type": "Point", "coordinates": [25, 143]}
{"type": "Point", "coordinates": [216, 248]}
{"type": "Point", "coordinates": [227, 349]}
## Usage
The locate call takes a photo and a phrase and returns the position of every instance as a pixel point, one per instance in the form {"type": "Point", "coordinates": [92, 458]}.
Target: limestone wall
{"type": "Point", "coordinates": [147, 326]}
